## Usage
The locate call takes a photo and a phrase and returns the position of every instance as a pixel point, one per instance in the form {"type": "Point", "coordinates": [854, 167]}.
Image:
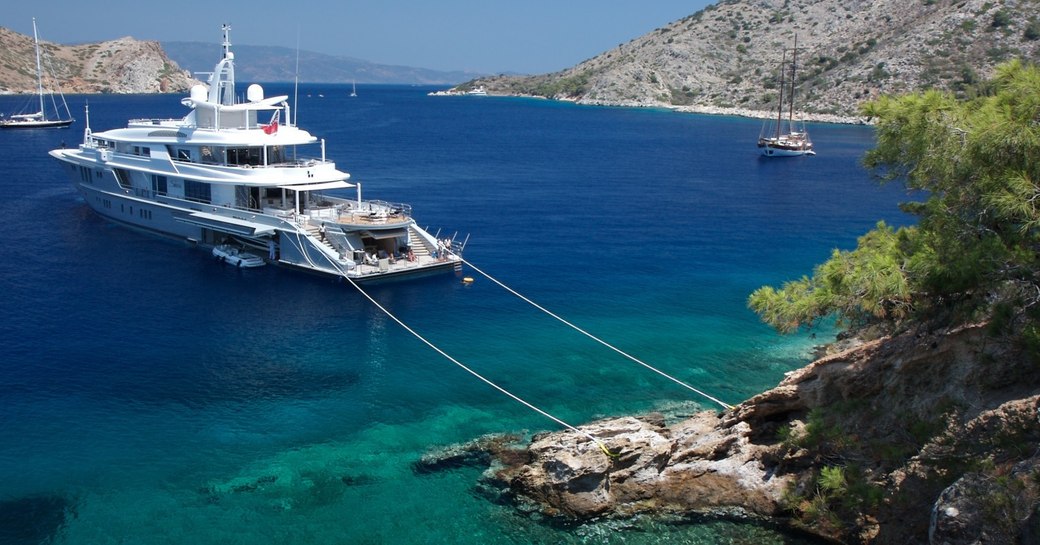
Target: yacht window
{"type": "Point", "coordinates": [183, 155]}
{"type": "Point", "coordinates": [207, 154]}
{"type": "Point", "coordinates": [275, 155]}
{"type": "Point", "coordinates": [159, 184]}
{"type": "Point", "coordinates": [123, 177]}
{"type": "Point", "coordinates": [197, 191]}
{"type": "Point", "coordinates": [244, 156]}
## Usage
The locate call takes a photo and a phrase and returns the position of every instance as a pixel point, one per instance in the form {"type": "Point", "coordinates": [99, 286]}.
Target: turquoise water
{"type": "Point", "coordinates": [152, 396]}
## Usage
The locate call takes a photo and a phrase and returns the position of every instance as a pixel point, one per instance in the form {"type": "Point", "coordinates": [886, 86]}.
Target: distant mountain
{"type": "Point", "coordinates": [726, 55]}
{"type": "Point", "coordinates": [269, 64]}
{"type": "Point", "coordinates": [124, 65]}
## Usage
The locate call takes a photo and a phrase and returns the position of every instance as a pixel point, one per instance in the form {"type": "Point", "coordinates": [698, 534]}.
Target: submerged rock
{"type": "Point", "coordinates": [476, 453]}
{"type": "Point", "coordinates": [33, 519]}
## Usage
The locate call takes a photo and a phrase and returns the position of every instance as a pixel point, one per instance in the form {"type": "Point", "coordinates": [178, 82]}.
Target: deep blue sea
{"type": "Point", "coordinates": [150, 395]}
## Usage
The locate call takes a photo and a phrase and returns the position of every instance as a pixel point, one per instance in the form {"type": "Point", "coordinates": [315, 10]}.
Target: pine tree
{"type": "Point", "coordinates": [975, 251]}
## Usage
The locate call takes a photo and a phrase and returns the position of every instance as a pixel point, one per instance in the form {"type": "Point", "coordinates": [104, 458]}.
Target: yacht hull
{"type": "Point", "coordinates": [288, 247]}
{"type": "Point", "coordinates": [15, 124]}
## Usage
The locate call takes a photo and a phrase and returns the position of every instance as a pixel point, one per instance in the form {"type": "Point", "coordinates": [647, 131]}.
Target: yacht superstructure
{"type": "Point", "coordinates": [239, 173]}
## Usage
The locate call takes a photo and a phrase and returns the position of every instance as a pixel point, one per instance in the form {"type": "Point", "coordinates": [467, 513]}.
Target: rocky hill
{"type": "Point", "coordinates": [727, 55]}
{"type": "Point", "coordinates": [125, 65]}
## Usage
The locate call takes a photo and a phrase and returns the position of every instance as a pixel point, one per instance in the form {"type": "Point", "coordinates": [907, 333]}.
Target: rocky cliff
{"type": "Point", "coordinates": [925, 437]}
{"type": "Point", "coordinates": [125, 65]}
{"type": "Point", "coordinates": [725, 57]}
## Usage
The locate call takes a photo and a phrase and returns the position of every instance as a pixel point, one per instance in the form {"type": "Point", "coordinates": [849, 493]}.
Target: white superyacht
{"type": "Point", "coordinates": [223, 178]}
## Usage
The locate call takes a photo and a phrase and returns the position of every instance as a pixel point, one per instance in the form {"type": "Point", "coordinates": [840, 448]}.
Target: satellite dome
{"type": "Point", "coordinates": [199, 93]}
{"type": "Point", "coordinates": [254, 93]}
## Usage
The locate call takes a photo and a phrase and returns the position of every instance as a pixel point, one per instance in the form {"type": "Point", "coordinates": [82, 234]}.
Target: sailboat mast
{"type": "Point", "coordinates": [39, 72]}
{"type": "Point", "coordinates": [780, 107]}
{"type": "Point", "coordinates": [794, 66]}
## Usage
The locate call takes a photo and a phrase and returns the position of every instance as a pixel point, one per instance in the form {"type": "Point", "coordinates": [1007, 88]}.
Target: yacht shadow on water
{"type": "Point", "coordinates": [32, 520]}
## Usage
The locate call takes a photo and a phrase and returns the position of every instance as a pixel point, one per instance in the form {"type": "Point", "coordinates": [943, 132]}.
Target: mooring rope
{"type": "Point", "coordinates": [487, 381]}
{"type": "Point", "coordinates": [597, 339]}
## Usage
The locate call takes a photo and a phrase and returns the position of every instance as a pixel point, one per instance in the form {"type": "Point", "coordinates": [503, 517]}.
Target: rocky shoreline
{"type": "Point", "coordinates": [688, 109]}
{"type": "Point", "coordinates": [738, 112]}
{"type": "Point", "coordinates": [927, 437]}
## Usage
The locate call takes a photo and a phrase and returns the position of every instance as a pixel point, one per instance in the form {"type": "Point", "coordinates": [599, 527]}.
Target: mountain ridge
{"type": "Point", "coordinates": [275, 63]}
{"type": "Point", "coordinates": [129, 65]}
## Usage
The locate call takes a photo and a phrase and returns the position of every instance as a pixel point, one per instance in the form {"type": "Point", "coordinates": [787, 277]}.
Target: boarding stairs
{"type": "Point", "coordinates": [417, 245]}
{"type": "Point", "coordinates": [415, 242]}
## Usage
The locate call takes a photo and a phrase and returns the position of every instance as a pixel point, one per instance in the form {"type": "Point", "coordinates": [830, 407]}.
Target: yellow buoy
{"type": "Point", "coordinates": [467, 280]}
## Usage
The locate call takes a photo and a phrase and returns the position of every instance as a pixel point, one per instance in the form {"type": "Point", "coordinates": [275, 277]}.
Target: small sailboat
{"type": "Point", "coordinates": [353, 88]}
{"type": "Point", "coordinates": [776, 139]}
{"type": "Point", "coordinates": [39, 118]}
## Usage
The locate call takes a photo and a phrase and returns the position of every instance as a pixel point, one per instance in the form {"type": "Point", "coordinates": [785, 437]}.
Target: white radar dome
{"type": "Point", "coordinates": [254, 93]}
{"type": "Point", "coordinates": [199, 93]}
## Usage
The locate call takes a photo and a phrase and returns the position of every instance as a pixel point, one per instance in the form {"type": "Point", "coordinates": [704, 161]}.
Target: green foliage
{"type": "Point", "coordinates": [832, 480]}
{"type": "Point", "coordinates": [835, 500]}
{"type": "Point", "coordinates": [572, 86]}
{"type": "Point", "coordinates": [822, 434]}
{"type": "Point", "coordinates": [1032, 31]}
{"type": "Point", "coordinates": [976, 247]}
{"type": "Point", "coordinates": [1001, 18]}
{"type": "Point", "coordinates": [857, 286]}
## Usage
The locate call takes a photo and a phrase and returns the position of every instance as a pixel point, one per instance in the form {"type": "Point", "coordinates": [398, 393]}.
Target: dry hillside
{"type": "Point", "coordinates": [727, 54]}
{"type": "Point", "coordinates": [125, 65]}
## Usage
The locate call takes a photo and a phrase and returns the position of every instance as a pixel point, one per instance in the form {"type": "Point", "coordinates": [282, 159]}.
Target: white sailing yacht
{"type": "Point", "coordinates": [776, 140]}
{"type": "Point", "coordinates": [222, 179]}
{"type": "Point", "coordinates": [39, 119]}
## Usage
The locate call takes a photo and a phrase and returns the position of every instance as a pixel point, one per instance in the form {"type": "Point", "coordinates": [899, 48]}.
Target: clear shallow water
{"type": "Point", "coordinates": [148, 395]}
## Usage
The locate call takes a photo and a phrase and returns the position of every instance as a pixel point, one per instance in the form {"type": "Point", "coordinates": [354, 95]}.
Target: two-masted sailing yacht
{"type": "Point", "coordinates": [40, 118]}
{"type": "Point", "coordinates": [780, 137]}
{"type": "Point", "coordinates": [240, 177]}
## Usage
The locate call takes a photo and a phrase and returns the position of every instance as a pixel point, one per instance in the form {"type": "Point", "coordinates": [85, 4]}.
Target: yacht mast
{"type": "Point", "coordinates": [780, 107]}
{"type": "Point", "coordinates": [794, 66]}
{"type": "Point", "coordinates": [39, 72]}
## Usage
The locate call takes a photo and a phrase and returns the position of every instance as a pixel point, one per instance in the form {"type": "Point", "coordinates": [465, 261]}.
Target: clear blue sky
{"type": "Point", "coordinates": [490, 36]}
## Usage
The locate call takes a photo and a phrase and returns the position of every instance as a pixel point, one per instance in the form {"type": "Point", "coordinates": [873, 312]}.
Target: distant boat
{"type": "Point", "coordinates": [353, 88]}
{"type": "Point", "coordinates": [477, 91]}
{"type": "Point", "coordinates": [39, 119]}
{"type": "Point", "coordinates": [774, 140]}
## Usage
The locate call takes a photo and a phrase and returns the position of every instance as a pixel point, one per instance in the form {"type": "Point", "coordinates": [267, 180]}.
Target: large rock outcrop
{"type": "Point", "coordinates": [904, 427]}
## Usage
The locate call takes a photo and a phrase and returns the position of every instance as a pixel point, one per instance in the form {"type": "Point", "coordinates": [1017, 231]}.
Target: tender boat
{"type": "Point", "coordinates": [236, 256]}
{"type": "Point", "coordinates": [223, 175]}
{"type": "Point", "coordinates": [40, 118]}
